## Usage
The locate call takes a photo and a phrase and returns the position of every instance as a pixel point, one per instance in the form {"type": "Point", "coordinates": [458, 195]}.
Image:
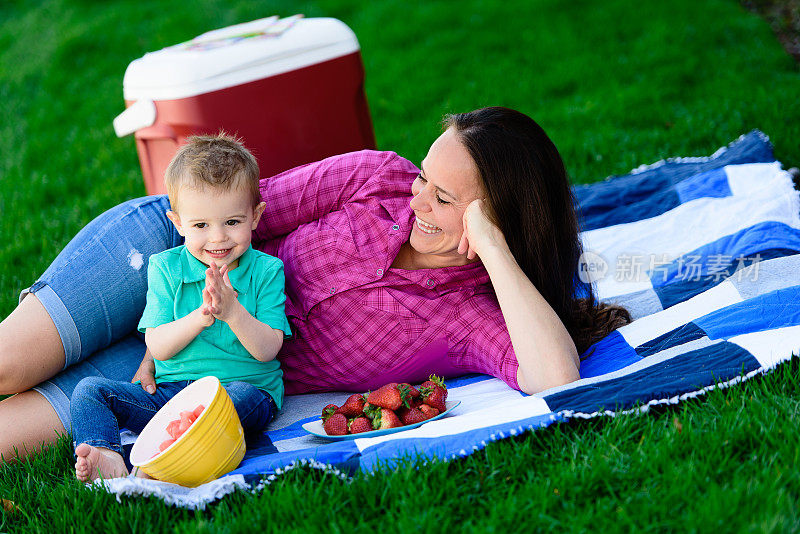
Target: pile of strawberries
{"type": "Point", "coordinates": [390, 406]}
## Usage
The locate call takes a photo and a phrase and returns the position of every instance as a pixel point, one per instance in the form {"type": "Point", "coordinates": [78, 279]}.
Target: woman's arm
{"type": "Point", "coordinates": [309, 192]}
{"type": "Point", "coordinates": [544, 349]}
{"type": "Point", "coordinates": [146, 373]}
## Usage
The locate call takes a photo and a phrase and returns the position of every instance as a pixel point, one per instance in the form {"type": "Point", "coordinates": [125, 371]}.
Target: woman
{"type": "Point", "coordinates": [468, 264]}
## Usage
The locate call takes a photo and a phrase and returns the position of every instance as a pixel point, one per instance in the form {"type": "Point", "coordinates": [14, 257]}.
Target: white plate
{"type": "Point", "coordinates": [316, 428]}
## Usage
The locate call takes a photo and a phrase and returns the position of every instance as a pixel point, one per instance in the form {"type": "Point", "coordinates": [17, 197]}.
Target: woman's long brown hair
{"type": "Point", "coordinates": [530, 200]}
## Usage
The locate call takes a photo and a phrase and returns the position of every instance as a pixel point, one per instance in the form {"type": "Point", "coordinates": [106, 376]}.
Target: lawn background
{"type": "Point", "coordinates": [616, 84]}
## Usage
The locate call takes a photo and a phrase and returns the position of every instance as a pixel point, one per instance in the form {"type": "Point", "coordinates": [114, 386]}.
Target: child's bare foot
{"type": "Point", "coordinates": [96, 462]}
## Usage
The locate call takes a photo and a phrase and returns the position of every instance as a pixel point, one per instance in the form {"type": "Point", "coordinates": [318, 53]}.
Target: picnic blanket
{"type": "Point", "coordinates": [702, 251]}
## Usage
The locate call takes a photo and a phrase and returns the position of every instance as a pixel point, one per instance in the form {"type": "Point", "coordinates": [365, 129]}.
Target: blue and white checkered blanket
{"type": "Point", "coordinates": [702, 251]}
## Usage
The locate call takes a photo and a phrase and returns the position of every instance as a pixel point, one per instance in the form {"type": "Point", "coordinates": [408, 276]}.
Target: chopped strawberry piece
{"type": "Point", "coordinates": [172, 429]}
{"type": "Point", "coordinates": [190, 416]}
{"type": "Point", "coordinates": [176, 428]}
{"type": "Point", "coordinates": [185, 422]}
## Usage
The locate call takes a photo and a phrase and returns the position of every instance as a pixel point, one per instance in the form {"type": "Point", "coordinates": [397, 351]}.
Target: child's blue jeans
{"type": "Point", "coordinates": [100, 407]}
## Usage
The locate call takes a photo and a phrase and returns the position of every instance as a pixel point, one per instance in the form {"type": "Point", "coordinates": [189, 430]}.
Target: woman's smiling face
{"type": "Point", "coordinates": [449, 181]}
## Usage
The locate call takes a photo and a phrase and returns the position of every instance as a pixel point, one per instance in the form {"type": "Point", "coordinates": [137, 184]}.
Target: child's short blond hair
{"type": "Point", "coordinates": [219, 161]}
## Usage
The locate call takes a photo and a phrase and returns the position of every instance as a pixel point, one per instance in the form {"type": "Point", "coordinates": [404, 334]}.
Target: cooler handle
{"type": "Point", "coordinates": [140, 114]}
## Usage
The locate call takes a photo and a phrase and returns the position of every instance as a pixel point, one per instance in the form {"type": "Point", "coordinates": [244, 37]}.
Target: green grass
{"type": "Point", "coordinates": [726, 462]}
{"type": "Point", "coordinates": [614, 83]}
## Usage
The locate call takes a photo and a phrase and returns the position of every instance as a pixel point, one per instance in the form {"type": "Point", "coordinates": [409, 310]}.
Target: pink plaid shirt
{"type": "Point", "coordinates": [357, 323]}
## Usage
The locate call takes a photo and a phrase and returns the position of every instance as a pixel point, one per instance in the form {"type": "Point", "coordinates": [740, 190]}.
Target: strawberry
{"type": "Point", "coordinates": [336, 425]}
{"type": "Point", "coordinates": [172, 429]}
{"type": "Point", "coordinates": [385, 419]}
{"type": "Point", "coordinates": [371, 411]}
{"type": "Point", "coordinates": [185, 422]}
{"type": "Point", "coordinates": [374, 414]}
{"type": "Point", "coordinates": [434, 393]}
{"type": "Point", "coordinates": [433, 381]}
{"type": "Point", "coordinates": [410, 416]}
{"type": "Point", "coordinates": [409, 394]}
{"type": "Point", "coordinates": [328, 411]}
{"type": "Point", "coordinates": [353, 406]}
{"type": "Point", "coordinates": [360, 424]}
{"type": "Point", "coordinates": [436, 399]}
{"type": "Point", "coordinates": [197, 411]}
{"type": "Point", "coordinates": [387, 396]}
{"type": "Point", "coordinates": [410, 390]}
{"type": "Point", "coordinates": [428, 411]}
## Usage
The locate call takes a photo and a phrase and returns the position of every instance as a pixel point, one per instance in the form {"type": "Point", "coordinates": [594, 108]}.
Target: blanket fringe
{"type": "Point", "coordinates": [304, 462]}
{"type": "Point", "coordinates": [698, 159]}
{"type": "Point", "coordinates": [200, 497]}
{"type": "Point", "coordinates": [190, 498]}
{"type": "Point", "coordinates": [675, 399]}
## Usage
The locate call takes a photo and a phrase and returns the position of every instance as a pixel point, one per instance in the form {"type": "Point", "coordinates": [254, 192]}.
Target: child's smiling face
{"type": "Point", "coordinates": [217, 224]}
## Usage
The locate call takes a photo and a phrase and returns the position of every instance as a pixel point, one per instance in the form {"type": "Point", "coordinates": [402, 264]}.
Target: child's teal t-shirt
{"type": "Point", "coordinates": [175, 282]}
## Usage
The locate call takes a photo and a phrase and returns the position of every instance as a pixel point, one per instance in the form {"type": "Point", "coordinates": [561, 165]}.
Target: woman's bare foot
{"type": "Point", "coordinates": [96, 462]}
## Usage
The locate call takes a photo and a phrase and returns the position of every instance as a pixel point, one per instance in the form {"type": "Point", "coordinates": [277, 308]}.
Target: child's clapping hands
{"type": "Point", "coordinates": [219, 298]}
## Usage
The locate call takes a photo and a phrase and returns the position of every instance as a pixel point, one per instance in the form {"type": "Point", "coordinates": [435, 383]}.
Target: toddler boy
{"type": "Point", "coordinates": [215, 306]}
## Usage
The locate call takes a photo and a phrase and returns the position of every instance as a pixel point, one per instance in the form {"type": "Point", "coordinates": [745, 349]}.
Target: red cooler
{"type": "Point", "coordinates": [292, 88]}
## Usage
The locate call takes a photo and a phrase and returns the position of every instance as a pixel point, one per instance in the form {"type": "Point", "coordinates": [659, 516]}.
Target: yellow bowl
{"type": "Point", "coordinates": [211, 447]}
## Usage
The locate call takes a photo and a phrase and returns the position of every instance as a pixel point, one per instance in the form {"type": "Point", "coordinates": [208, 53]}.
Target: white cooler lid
{"type": "Point", "coordinates": [236, 55]}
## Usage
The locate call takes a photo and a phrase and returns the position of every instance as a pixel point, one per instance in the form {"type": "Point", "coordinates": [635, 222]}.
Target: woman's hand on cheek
{"type": "Point", "coordinates": [479, 231]}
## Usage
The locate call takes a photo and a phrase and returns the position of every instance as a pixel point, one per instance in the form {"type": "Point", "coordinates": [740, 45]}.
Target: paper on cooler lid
{"type": "Point", "coordinates": [236, 55]}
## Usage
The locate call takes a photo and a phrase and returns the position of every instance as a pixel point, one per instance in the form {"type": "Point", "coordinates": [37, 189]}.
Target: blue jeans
{"type": "Point", "coordinates": [95, 293]}
{"type": "Point", "coordinates": [100, 407]}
